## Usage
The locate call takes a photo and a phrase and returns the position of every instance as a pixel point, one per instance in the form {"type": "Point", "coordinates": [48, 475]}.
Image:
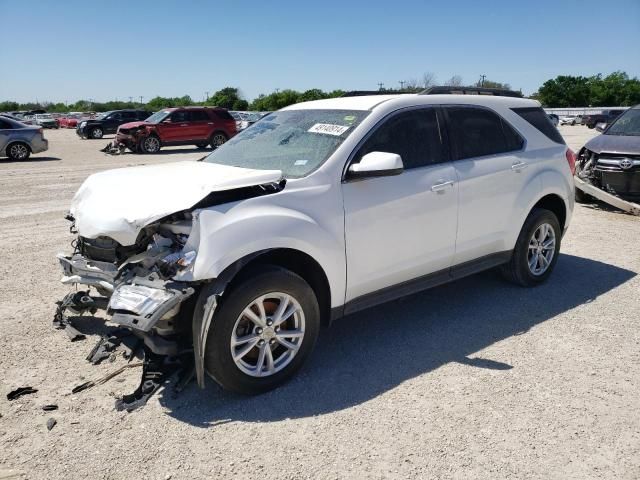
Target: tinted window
{"type": "Point", "coordinates": [414, 135]}
{"type": "Point", "coordinates": [180, 116]}
{"type": "Point", "coordinates": [536, 117]}
{"type": "Point", "coordinates": [476, 132]}
{"type": "Point", "coordinates": [223, 115]}
{"type": "Point", "coordinates": [5, 125]}
{"type": "Point", "coordinates": [199, 116]}
{"type": "Point", "coordinates": [115, 116]}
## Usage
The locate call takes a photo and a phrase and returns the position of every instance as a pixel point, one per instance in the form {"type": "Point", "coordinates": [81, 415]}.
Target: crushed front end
{"type": "Point", "coordinates": [135, 284]}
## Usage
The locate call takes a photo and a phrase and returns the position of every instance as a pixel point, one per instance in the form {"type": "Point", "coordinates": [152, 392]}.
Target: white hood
{"type": "Point", "coordinates": [118, 203]}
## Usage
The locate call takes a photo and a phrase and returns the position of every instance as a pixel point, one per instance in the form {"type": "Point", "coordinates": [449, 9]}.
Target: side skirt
{"type": "Point", "coordinates": [421, 283]}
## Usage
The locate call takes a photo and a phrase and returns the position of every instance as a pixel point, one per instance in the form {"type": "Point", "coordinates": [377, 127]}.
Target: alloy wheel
{"type": "Point", "coordinates": [19, 151]}
{"type": "Point", "coordinates": [218, 140]}
{"type": "Point", "coordinates": [542, 248]}
{"type": "Point", "coordinates": [267, 334]}
{"type": "Point", "coordinates": [152, 144]}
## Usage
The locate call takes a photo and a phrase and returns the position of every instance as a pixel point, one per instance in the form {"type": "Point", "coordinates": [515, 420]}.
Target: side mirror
{"type": "Point", "coordinates": [377, 164]}
{"type": "Point", "coordinates": [601, 127]}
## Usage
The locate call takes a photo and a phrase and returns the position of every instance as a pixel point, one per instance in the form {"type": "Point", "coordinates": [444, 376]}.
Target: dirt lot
{"type": "Point", "coordinates": [476, 379]}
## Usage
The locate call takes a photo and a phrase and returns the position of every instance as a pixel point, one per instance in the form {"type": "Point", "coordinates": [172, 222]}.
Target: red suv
{"type": "Point", "coordinates": [200, 126]}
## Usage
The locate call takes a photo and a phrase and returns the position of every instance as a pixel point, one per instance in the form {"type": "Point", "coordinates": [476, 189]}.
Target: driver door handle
{"type": "Point", "coordinates": [441, 185]}
{"type": "Point", "coordinates": [519, 166]}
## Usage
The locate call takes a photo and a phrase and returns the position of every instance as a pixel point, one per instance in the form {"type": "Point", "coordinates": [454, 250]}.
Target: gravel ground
{"type": "Point", "coordinates": [475, 379]}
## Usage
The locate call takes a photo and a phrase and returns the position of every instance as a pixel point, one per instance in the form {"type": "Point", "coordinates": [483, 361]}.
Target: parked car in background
{"type": "Point", "coordinates": [45, 120]}
{"type": "Point", "coordinates": [611, 161]}
{"type": "Point", "coordinates": [245, 119]}
{"type": "Point", "coordinates": [108, 122]}
{"type": "Point", "coordinates": [318, 211]}
{"type": "Point", "coordinates": [69, 120]}
{"type": "Point", "coordinates": [607, 116]}
{"type": "Point", "coordinates": [18, 140]}
{"type": "Point", "coordinates": [571, 120]}
{"type": "Point", "coordinates": [200, 126]}
{"type": "Point", "coordinates": [554, 119]}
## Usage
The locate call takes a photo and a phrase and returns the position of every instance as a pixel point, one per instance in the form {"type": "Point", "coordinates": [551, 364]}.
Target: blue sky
{"type": "Point", "coordinates": [68, 50]}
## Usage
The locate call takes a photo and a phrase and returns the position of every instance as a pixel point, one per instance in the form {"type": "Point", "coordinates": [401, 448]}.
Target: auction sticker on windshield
{"type": "Point", "coordinates": [328, 129]}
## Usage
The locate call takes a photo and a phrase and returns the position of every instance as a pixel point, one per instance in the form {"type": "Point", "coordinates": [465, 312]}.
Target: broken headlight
{"type": "Point", "coordinates": [139, 299]}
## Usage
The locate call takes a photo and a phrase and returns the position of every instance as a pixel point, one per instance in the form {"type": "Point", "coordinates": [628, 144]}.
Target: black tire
{"type": "Point", "coordinates": [581, 197]}
{"type": "Point", "coordinates": [96, 133]}
{"type": "Point", "coordinates": [217, 139]}
{"type": "Point", "coordinates": [202, 145]}
{"type": "Point", "coordinates": [149, 144]}
{"type": "Point", "coordinates": [219, 363]}
{"type": "Point", "coordinates": [517, 270]}
{"type": "Point", "coordinates": [18, 151]}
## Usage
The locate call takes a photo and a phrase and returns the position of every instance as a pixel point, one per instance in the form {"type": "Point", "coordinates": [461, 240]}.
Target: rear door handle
{"type": "Point", "coordinates": [519, 166]}
{"type": "Point", "coordinates": [438, 187]}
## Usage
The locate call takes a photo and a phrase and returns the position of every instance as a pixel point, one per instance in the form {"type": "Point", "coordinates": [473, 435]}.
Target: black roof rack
{"type": "Point", "coordinates": [362, 93]}
{"type": "Point", "coordinates": [446, 90]}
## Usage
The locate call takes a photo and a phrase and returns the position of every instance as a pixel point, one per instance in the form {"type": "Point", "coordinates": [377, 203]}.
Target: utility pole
{"type": "Point", "coordinates": [130, 99]}
{"type": "Point", "coordinates": [207, 94]}
{"type": "Point", "coordinates": [276, 90]}
{"type": "Point", "coordinates": [141, 97]}
{"type": "Point", "coordinates": [380, 85]}
{"type": "Point", "coordinates": [402, 82]}
{"type": "Point", "coordinates": [482, 77]}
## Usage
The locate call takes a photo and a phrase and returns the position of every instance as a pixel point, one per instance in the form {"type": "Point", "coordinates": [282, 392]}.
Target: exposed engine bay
{"type": "Point", "coordinates": [135, 259]}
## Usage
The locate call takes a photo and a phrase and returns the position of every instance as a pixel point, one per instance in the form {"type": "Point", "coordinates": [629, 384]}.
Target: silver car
{"type": "Point", "coordinates": [18, 141]}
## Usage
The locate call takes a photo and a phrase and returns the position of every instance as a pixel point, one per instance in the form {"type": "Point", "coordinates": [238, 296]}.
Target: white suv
{"type": "Point", "coordinates": [319, 210]}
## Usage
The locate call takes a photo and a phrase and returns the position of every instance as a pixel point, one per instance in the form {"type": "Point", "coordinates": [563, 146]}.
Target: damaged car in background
{"type": "Point", "coordinates": [317, 211]}
{"type": "Point", "coordinates": [608, 166]}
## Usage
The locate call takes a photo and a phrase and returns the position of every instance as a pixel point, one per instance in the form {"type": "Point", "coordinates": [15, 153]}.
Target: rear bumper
{"type": "Point", "coordinates": [39, 145]}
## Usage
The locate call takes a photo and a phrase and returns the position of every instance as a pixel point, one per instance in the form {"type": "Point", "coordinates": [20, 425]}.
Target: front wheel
{"type": "Point", "coordinates": [150, 144]}
{"type": "Point", "coordinates": [263, 331]}
{"type": "Point", "coordinates": [536, 251]}
{"type": "Point", "coordinates": [96, 133]}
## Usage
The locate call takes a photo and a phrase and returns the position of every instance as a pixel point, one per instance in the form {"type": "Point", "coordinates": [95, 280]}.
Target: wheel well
{"type": "Point", "coordinates": [18, 141]}
{"type": "Point", "coordinates": [296, 261]}
{"type": "Point", "coordinates": [556, 205]}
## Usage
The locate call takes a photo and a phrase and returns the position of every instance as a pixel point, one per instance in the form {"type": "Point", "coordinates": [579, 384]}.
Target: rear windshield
{"type": "Point", "coordinates": [536, 117]}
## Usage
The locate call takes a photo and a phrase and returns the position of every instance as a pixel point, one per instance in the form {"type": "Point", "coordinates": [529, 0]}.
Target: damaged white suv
{"type": "Point", "coordinates": [317, 211]}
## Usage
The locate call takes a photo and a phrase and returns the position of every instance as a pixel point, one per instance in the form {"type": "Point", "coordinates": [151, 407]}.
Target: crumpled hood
{"type": "Point", "coordinates": [119, 203]}
{"type": "Point", "coordinates": [629, 144]}
{"type": "Point", "coordinates": [134, 124]}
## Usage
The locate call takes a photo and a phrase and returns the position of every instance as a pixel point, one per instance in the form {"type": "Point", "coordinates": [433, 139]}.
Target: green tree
{"type": "Point", "coordinates": [225, 98]}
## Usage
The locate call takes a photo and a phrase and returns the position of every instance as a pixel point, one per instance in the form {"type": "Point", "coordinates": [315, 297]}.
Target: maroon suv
{"type": "Point", "coordinates": [200, 126]}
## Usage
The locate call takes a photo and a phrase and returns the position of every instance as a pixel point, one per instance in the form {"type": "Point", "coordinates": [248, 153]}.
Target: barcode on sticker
{"type": "Point", "coordinates": [328, 129]}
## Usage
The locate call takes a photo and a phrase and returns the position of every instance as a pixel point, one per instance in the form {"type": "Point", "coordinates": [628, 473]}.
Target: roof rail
{"type": "Point", "coordinates": [362, 93]}
{"type": "Point", "coordinates": [448, 90]}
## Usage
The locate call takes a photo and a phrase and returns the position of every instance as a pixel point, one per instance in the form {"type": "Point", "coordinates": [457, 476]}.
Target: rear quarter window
{"type": "Point", "coordinates": [536, 117]}
{"type": "Point", "coordinates": [222, 115]}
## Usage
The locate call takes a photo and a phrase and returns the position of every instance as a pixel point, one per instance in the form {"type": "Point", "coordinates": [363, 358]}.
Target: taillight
{"type": "Point", "coordinates": [571, 160]}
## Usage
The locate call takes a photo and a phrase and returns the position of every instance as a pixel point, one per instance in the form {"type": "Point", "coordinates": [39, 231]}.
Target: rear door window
{"type": "Point", "coordinates": [477, 132]}
{"type": "Point", "coordinates": [199, 116]}
{"type": "Point", "coordinates": [5, 125]}
{"type": "Point", "coordinates": [180, 116]}
{"type": "Point", "coordinates": [414, 135]}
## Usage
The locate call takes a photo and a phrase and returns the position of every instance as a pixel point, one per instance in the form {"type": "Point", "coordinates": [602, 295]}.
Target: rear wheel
{"type": "Point", "coordinates": [18, 151]}
{"type": "Point", "coordinates": [96, 133]}
{"type": "Point", "coordinates": [536, 251]}
{"type": "Point", "coordinates": [263, 331]}
{"type": "Point", "coordinates": [217, 139]}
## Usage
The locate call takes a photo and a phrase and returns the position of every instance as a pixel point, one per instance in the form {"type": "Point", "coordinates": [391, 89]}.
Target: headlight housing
{"type": "Point", "coordinates": [139, 299]}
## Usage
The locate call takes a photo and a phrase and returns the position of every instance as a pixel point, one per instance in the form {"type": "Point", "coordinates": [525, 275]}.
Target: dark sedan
{"type": "Point", "coordinates": [108, 122]}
